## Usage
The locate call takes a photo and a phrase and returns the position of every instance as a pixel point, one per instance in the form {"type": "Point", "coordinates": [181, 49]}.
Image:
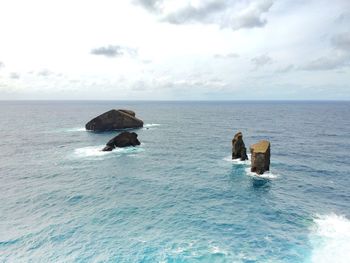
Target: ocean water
{"type": "Point", "coordinates": [178, 197]}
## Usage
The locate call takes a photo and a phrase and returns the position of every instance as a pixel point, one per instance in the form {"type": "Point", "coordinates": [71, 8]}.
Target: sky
{"type": "Point", "coordinates": [175, 49]}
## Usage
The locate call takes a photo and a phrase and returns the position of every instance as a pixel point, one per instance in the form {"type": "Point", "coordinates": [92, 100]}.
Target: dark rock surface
{"type": "Point", "coordinates": [239, 150]}
{"type": "Point", "coordinates": [114, 120]}
{"type": "Point", "coordinates": [260, 157]}
{"type": "Point", "coordinates": [123, 139]}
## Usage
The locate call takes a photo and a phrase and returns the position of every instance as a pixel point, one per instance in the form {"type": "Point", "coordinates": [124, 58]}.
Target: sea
{"type": "Point", "coordinates": [178, 197]}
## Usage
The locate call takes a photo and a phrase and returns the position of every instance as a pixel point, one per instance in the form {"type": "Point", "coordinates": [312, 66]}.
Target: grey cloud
{"type": "Point", "coordinates": [342, 41]}
{"type": "Point", "coordinates": [2, 65]}
{"type": "Point", "coordinates": [44, 73]}
{"type": "Point", "coordinates": [252, 16]}
{"type": "Point", "coordinates": [223, 56]}
{"type": "Point", "coordinates": [226, 13]}
{"type": "Point", "coordinates": [286, 69]}
{"type": "Point", "coordinates": [261, 61]}
{"type": "Point", "coordinates": [150, 5]}
{"type": "Point", "coordinates": [200, 13]}
{"type": "Point", "coordinates": [113, 51]}
{"type": "Point", "coordinates": [14, 75]}
{"type": "Point", "coordinates": [327, 63]}
{"type": "Point", "coordinates": [338, 58]}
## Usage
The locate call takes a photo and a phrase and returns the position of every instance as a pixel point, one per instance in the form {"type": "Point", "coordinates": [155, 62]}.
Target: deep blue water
{"type": "Point", "coordinates": [178, 197]}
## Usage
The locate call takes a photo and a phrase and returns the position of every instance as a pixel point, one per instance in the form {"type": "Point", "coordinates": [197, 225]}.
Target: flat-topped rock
{"type": "Point", "coordinates": [260, 157]}
{"type": "Point", "coordinates": [261, 147]}
{"type": "Point", "coordinates": [123, 139]}
{"type": "Point", "coordinates": [114, 120]}
{"type": "Point", "coordinates": [239, 150]}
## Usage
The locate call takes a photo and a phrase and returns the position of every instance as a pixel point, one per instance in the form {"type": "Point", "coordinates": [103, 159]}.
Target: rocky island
{"type": "Point", "coordinates": [114, 120]}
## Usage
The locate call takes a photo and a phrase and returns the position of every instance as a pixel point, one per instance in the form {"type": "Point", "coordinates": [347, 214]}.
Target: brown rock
{"type": "Point", "coordinates": [124, 139]}
{"type": "Point", "coordinates": [260, 157]}
{"type": "Point", "coordinates": [238, 147]}
{"type": "Point", "coordinates": [114, 120]}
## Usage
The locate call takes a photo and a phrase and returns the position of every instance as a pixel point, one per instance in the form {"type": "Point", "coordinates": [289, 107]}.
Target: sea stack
{"type": "Point", "coordinates": [238, 148]}
{"type": "Point", "coordinates": [124, 139]}
{"type": "Point", "coordinates": [260, 157]}
{"type": "Point", "coordinates": [114, 120]}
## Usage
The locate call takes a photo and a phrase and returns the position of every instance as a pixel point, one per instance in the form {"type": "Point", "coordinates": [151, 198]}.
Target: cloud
{"type": "Point", "coordinates": [44, 73]}
{"type": "Point", "coordinates": [253, 15]}
{"type": "Point", "coordinates": [199, 13]}
{"type": "Point", "coordinates": [226, 56]}
{"type": "Point", "coordinates": [342, 41]}
{"type": "Point", "coordinates": [225, 13]}
{"type": "Point", "coordinates": [339, 57]}
{"type": "Point", "coordinates": [2, 65]}
{"type": "Point", "coordinates": [261, 61]}
{"type": "Point", "coordinates": [286, 69]}
{"type": "Point", "coordinates": [14, 75]}
{"type": "Point", "coordinates": [114, 51]}
{"type": "Point", "coordinates": [150, 5]}
{"type": "Point", "coordinates": [327, 63]}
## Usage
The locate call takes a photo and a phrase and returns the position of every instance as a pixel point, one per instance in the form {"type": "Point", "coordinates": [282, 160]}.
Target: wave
{"type": "Point", "coordinates": [238, 161]}
{"type": "Point", "coordinates": [330, 239]}
{"type": "Point", "coordinates": [151, 125]}
{"type": "Point", "coordinates": [78, 129]}
{"type": "Point", "coordinates": [266, 175]}
{"type": "Point", "coordinates": [96, 151]}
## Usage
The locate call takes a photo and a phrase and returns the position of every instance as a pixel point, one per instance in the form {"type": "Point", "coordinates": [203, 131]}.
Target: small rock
{"type": "Point", "coordinates": [124, 139]}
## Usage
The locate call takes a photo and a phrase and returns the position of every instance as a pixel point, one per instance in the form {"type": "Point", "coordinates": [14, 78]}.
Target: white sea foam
{"type": "Point", "coordinates": [266, 175]}
{"type": "Point", "coordinates": [96, 151]}
{"type": "Point", "coordinates": [330, 239]}
{"type": "Point", "coordinates": [238, 161]}
{"type": "Point", "coordinates": [151, 125]}
{"type": "Point", "coordinates": [78, 129]}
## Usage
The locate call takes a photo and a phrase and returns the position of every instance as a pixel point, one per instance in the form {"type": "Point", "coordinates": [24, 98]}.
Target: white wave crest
{"type": "Point", "coordinates": [238, 161]}
{"type": "Point", "coordinates": [330, 239]}
{"type": "Point", "coordinates": [266, 175]}
{"type": "Point", "coordinates": [151, 125]}
{"type": "Point", "coordinates": [96, 151]}
{"type": "Point", "coordinates": [79, 129]}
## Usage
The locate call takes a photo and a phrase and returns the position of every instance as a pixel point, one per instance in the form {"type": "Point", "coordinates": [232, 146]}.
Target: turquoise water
{"type": "Point", "coordinates": [178, 197]}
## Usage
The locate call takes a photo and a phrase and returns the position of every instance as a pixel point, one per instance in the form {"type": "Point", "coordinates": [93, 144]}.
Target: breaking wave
{"type": "Point", "coordinates": [266, 175]}
{"type": "Point", "coordinates": [96, 151]}
{"type": "Point", "coordinates": [330, 239]}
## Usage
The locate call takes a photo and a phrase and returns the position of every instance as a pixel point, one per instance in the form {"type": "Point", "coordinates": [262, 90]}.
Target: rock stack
{"type": "Point", "coordinates": [260, 157]}
{"type": "Point", "coordinates": [124, 139]}
{"type": "Point", "coordinates": [114, 120]}
{"type": "Point", "coordinates": [239, 150]}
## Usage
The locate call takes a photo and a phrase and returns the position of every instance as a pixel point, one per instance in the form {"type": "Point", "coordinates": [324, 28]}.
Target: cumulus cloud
{"type": "Point", "coordinates": [261, 61]}
{"type": "Point", "coordinates": [225, 13]}
{"type": "Point", "coordinates": [114, 51]}
{"type": "Point", "coordinates": [252, 16]}
{"type": "Point", "coordinates": [151, 5]}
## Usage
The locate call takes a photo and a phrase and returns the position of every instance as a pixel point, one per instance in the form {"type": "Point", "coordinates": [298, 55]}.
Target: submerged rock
{"type": "Point", "coordinates": [114, 120]}
{"type": "Point", "coordinates": [124, 139]}
{"type": "Point", "coordinates": [239, 150]}
{"type": "Point", "coordinates": [260, 157]}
